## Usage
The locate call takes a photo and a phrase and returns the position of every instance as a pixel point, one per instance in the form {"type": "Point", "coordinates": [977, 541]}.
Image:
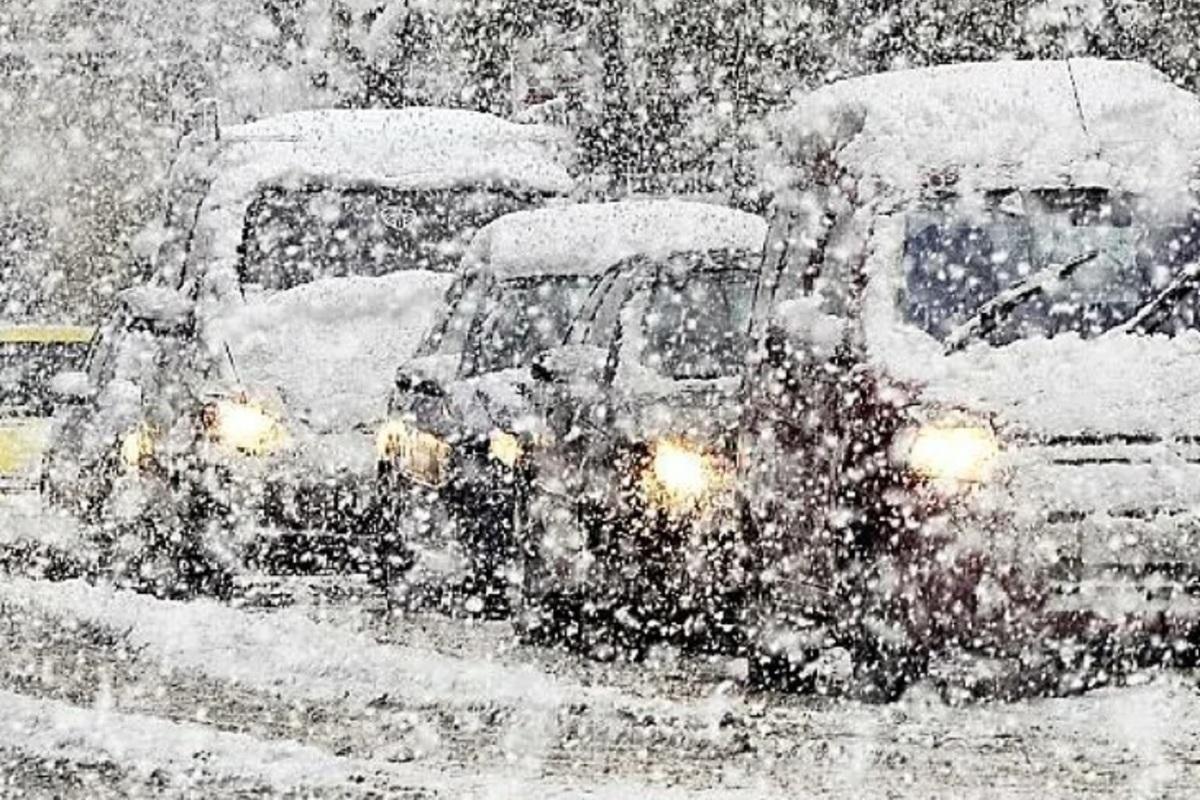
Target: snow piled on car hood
{"type": "Point", "coordinates": [329, 348]}
{"type": "Point", "coordinates": [1112, 384]}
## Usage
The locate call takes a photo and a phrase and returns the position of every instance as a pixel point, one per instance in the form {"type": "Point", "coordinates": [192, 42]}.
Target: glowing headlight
{"type": "Point", "coordinates": [952, 452]}
{"type": "Point", "coordinates": [505, 448]}
{"type": "Point", "coordinates": [680, 474]}
{"type": "Point", "coordinates": [245, 427]}
{"type": "Point", "coordinates": [136, 446]}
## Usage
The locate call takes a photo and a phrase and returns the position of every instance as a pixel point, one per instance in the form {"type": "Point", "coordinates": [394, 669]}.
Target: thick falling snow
{"type": "Point", "coordinates": [725, 399]}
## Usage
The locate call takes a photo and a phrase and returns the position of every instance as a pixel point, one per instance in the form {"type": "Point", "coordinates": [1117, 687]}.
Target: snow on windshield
{"type": "Point", "coordinates": [522, 318]}
{"type": "Point", "coordinates": [690, 320]}
{"type": "Point", "coordinates": [957, 258]}
{"type": "Point", "coordinates": [294, 236]}
{"type": "Point", "coordinates": [697, 320]}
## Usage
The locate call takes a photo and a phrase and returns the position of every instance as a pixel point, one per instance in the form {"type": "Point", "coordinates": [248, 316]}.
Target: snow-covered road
{"type": "Point", "coordinates": [108, 693]}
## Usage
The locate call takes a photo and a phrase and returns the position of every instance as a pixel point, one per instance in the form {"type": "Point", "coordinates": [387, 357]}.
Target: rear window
{"type": "Point", "coordinates": [295, 236]}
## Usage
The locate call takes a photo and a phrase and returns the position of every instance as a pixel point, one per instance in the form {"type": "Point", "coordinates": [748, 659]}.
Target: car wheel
{"type": "Point", "coordinates": [782, 672]}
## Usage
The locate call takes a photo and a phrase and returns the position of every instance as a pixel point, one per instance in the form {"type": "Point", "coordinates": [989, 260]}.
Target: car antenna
{"type": "Point", "coordinates": [1075, 92]}
{"type": "Point", "coordinates": [233, 364]}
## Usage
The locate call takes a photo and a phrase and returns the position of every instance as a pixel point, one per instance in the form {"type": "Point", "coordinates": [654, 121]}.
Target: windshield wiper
{"type": "Point", "coordinates": [992, 313]}
{"type": "Point", "coordinates": [1184, 282]}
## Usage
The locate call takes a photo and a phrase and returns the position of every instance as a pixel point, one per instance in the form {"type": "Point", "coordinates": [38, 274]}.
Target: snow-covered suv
{"type": "Point", "coordinates": [974, 421]}
{"type": "Point", "coordinates": [457, 450]}
{"type": "Point", "coordinates": [304, 256]}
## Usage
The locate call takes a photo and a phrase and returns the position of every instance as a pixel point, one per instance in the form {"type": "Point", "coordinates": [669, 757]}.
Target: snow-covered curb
{"type": "Point", "coordinates": [286, 653]}
{"type": "Point", "coordinates": [144, 744]}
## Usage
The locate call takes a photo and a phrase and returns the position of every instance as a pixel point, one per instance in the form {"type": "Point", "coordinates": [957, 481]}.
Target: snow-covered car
{"type": "Point", "coordinates": [974, 424]}
{"type": "Point", "coordinates": [457, 450]}
{"type": "Point", "coordinates": [304, 256]}
{"type": "Point", "coordinates": [31, 358]}
{"type": "Point", "coordinates": [632, 509]}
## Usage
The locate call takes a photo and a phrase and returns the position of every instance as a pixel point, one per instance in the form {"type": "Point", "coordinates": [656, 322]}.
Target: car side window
{"type": "Point", "coordinates": [462, 303]}
{"type": "Point", "coordinates": [841, 278]}
{"type": "Point", "coordinates": [598, 321]}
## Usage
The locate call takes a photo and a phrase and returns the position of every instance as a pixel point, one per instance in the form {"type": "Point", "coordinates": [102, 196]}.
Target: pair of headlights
{"type": "Point", "coordinates": [953, 454]}
{"type": "Point", "coordinates": [238, 425]}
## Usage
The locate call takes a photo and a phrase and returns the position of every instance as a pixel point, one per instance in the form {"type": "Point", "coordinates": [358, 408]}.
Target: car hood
{"type": "Point", "coordinates": [494, 400]}
{"type": "Point", "coordinates": [328, 350]}
{"type": "Point", "coordinates": [1115, 385]}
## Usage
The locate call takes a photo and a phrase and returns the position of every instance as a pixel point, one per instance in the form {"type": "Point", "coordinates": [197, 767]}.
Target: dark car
{"type": "Point", "coordinates": [634, 534]}
{"type": "Point", "coordinates": [463, 435]}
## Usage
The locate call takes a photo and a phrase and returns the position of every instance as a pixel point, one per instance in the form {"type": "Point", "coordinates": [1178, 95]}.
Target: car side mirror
{"type": "Point", "coordinates": [427, 375]}
{"type": "Point", "coordinates": [804, 324]}
{"type": "Point", "coordinates": [71, 387]}
{"type": "Point", "coordinates": [569, 363]}
{"type": "Point", "coordinates": [159, 309]}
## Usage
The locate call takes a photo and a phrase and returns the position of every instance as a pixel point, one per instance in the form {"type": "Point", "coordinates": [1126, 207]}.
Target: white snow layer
{"type": "Point", "coordinates": [330, 348]}
{"type": "Point", "coordinates": [56, 730]}
{"type": "Point", "coordinates": [1014, 122]}
{"type": "Point", "coordinates": [286, 653]}
{"type": "Point", "coordinates": [1112, 384]}
{"type": "Point", "coordinates": [590, 237]}
{"type": "Point", "coordinates": [412, 147]}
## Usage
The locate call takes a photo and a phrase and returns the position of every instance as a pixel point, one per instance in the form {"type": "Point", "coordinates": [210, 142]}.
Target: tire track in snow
{"type": "Point", "coordinates": [1139, 741]}
{"type": "Point", "coordinates": [186, 756]}
{"type": "Point", "coordinates": [282, 674]}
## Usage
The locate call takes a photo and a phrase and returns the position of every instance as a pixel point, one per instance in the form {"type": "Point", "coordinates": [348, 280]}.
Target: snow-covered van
{"type": "Point", "coordinates": [302, 258]}
{"type": "Point", "coordinates": [463, 434]}
{"type": "Point", "coordinates": [31, 357]}
{"type": "Point", "coordinates": [975, 417]}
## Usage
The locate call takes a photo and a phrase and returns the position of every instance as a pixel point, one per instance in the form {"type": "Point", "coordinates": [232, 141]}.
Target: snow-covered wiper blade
{"type": "Point", "coordinates": [992, 313]}
{"type": "Point", "coordinates": [1184, 282]}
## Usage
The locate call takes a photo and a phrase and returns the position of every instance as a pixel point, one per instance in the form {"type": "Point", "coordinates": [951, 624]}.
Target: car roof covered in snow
{"type": "Point", "coordinates": [1079, 121]}
{"type": "Point", "coordinates": [588, 238]}
{"type": "Point", "coordinates": [411, 147]}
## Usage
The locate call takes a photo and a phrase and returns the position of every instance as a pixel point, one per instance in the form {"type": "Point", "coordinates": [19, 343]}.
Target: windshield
{"type": "Point", "coordinates": [26, 369]}
{"type": "Point", "coordinates": [294, 236]}
{"type": "Point", "coordinates": [697, 320]}
{"type": "Point", "coordinates": [957, 258]}
{"type": "Point", "coordinates": [523, 317]}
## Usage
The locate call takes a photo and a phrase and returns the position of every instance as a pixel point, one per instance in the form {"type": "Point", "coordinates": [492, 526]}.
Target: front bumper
{"type": "Point", "coordinates": [466, 526]}
{"type": "Point", "coordinates": [622, 548]}
{"type": "Point", "coordinates": [268, 514]}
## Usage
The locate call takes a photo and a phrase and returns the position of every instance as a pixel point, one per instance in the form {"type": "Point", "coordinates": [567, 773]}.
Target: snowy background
{"type": "Point", "coordinates": [105, 693]}
{"type": "Point", "coordinates": [94, 94]}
